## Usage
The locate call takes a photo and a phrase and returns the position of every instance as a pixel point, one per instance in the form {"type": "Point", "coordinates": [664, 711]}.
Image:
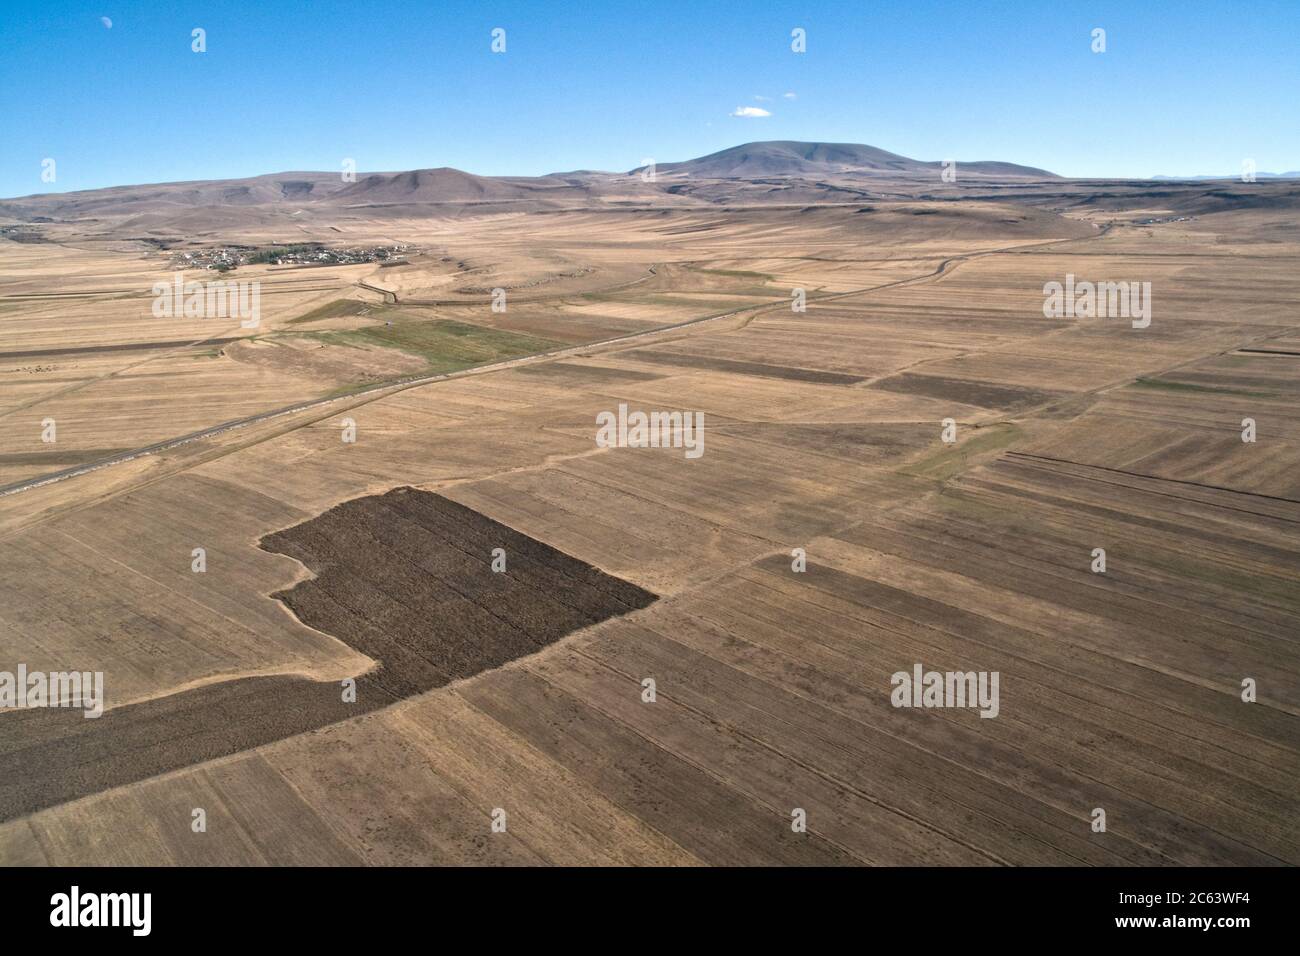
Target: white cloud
{"type": "Point", "coordinates": [750, 111]}
{"type": "Point", "coordinates": [788, 96]}
{"type": "Point", "coordinates": [761, 98]}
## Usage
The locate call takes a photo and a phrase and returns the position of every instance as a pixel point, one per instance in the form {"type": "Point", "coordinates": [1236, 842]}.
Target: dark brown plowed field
{"type": "Point", "coordinates": [51, 756]}
{"type": "Point", "coordinates": [1007, 398]}
{"type": "Point", "coordinates": [737, 367]}
{"type": "Point", "coordinates": [118, 347]}
{"type": "Point", "coordinates": [404, 577]}
{"type": "Point", "coordinates": [570, 373]}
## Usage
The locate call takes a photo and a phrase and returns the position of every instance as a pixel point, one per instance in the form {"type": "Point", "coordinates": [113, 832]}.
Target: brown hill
{"type": "Point", "coordinates": [451, 185]}
{"type": "Point", "coordinates": [790, 158]}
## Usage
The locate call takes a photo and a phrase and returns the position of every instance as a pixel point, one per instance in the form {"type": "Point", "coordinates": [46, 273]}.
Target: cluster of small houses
{"type": "Point", "coordinates": [220, 259]}
{"type": "Point", "coordinates": [226, 258]}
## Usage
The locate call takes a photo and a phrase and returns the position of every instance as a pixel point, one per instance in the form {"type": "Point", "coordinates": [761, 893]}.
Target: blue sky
{"type": "Point", "coordinates": [1183, 88]}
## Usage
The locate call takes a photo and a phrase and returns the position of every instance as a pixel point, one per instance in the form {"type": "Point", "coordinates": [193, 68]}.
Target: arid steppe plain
{"type": "Point", "coordinates": [475, 429]}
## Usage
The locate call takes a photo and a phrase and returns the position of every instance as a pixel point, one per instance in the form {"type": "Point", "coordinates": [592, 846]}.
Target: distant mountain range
{"type": "Point", "coordinates": [780, 172]}
{"type": "Point", "coordinates": [1233, 176]}
{"type": "Point", "coordinates": [808, 160]}
{"type": "Point", "coordinates": [777, 159]}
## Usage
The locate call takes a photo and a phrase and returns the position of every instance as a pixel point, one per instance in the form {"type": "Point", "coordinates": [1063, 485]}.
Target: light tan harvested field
{"type": "Point", "coordinates": [1119, 690]}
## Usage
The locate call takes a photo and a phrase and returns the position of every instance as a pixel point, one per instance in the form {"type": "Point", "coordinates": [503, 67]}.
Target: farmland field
{"type": "Point", "coordinates": [350, 467]}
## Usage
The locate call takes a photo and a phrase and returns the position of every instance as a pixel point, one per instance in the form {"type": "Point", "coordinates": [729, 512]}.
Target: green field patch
{"type": "Point", "coordinates": [355, 388]}
{"type": "Point", "coordinates": [1189, 387]}
{"type": "Point", "coordinates": [1280, 590]}
{"type": "Point", "coordinates": [757, 283]}
{"type": "Point", "coordinates": [338, 309]}
{"type": "Point", "coordinates": [444, 344]}
{"type": "Point", "coordinates": [682, 300]}
{"type": "Point", "coordinates": [739, 274]}
{"type": "Point", "coordinates": [951, 499]}
{"type": "Point", "coordinates": [950, 460]}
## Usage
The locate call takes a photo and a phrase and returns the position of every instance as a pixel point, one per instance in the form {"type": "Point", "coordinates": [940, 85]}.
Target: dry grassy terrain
{"type": "Point", "coordinates": [1120, 690]}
